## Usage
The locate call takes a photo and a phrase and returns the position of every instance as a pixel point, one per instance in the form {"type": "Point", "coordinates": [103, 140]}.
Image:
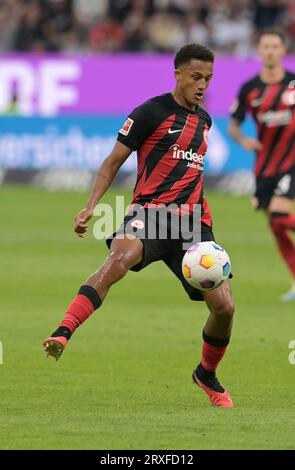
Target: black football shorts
{"type": "Point", "coordinates": [279, 185]}
{"type": "Point", "coordinates": [170, 250]}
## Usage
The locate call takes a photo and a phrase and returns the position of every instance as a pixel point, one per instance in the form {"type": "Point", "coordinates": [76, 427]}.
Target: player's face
{"type": "Point", "coordinates": [271, 50]}
{"type": "Point", "coordinates": [192, 80]}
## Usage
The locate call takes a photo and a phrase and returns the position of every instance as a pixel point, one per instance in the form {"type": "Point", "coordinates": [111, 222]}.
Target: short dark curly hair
{"type": "Point", "coordinates": [193, 51]}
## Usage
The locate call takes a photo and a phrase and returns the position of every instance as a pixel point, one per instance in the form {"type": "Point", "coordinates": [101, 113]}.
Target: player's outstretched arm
{"type": "Point", "coordinates": [103, 180]}
{"type": "Point", "coordinates": [249, 143]}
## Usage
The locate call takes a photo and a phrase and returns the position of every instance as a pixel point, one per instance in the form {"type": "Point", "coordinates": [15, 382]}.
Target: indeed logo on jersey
{"type": "Point", "coordinates": [194, 160]}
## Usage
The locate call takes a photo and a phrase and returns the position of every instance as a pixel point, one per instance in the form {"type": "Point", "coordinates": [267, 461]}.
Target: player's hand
{"type": "Point", "coordinates": [252, 145]}
{"type": "Point", "coordinates": [81, 219]}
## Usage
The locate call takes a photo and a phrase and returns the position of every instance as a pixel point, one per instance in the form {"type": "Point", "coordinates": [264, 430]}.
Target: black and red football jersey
{"type": "Point", "coordinates": [272, 107]}
{"type": "Point", "coordinates": [171, 142]}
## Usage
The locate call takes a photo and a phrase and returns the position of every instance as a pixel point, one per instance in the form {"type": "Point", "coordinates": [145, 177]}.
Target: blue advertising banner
{"type": "Point", "coordinates": [83, 143]}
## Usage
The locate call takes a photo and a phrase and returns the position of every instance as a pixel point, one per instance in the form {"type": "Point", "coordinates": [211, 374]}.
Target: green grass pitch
{"type": "Point", "coordinates": [124, 381]}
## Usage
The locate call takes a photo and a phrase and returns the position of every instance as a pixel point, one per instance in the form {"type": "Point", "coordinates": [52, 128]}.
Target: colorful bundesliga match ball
{"type": "Point", "coordinates": [206, 265]}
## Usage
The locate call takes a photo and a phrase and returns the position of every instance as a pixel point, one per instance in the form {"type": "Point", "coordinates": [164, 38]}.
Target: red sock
{"type": "Point", "coordinates": [79, 310]}
{"type": "Point", "coordinates": [284, 242]}
{"type": "Point", "coordinates": [211, 356]}
{"type": "Point", "coordinates": [286, 221]}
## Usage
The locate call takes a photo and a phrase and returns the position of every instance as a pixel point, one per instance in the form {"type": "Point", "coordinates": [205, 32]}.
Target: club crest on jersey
{"type": "Point", "coordinates": [288, 97]}
{"type": "Point", "coordinates": [126, 126]}
{"type": "Point", "coordinates": [137, 224]}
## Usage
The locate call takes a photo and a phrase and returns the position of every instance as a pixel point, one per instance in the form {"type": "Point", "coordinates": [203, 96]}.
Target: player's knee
{"type": "Point", "coordinates": [224, 309]}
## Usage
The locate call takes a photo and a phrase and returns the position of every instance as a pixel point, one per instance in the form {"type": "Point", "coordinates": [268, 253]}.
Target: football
{"type": "Point", "coordinates": [206, 265]}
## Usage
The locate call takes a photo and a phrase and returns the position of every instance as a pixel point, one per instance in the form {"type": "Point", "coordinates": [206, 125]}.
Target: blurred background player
{"type": "Point", "coordinates": [155, 129]}
{"type": "Point", "coordinates": [270, 98]}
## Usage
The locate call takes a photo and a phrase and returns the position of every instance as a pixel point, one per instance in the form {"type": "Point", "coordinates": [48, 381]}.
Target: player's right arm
{"type": "Point", "coordinates": [238, 114]}
{"type": "Point", "coordinates": [103, 180]}
{"type": "Point", "coordinates": [136, 128]}
{"type": "Point", "coordinates": [248, 143]}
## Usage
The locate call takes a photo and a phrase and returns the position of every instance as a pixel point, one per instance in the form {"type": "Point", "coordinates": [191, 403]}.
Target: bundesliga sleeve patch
{"type": "Point", "coordinates": [126, 126]}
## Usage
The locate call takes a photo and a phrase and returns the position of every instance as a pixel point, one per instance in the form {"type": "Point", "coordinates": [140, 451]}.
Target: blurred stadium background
{"type": "Point", "coordinates": [70, 71]}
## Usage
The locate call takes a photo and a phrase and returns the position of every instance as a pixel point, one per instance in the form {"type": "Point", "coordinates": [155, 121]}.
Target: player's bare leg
{"type": "Point", "coordinates": [282, 221]}
{"type": "Point", "coordinates": [124, 253]}
{"type": "Point", "coordinates": [216, 335]}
